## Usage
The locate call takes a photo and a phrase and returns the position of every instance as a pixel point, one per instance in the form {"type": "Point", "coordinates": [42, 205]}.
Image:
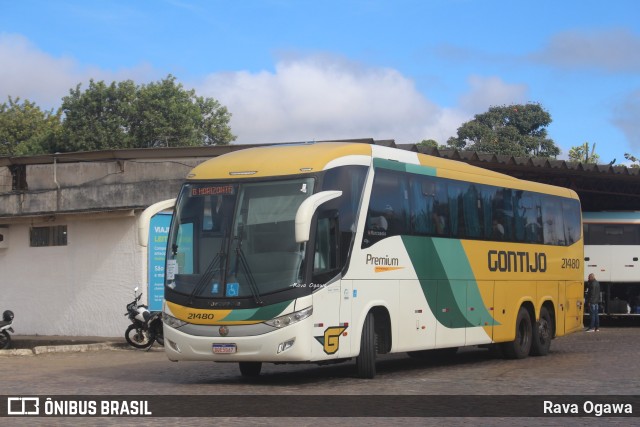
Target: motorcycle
{"type": "Point", "coordinates": [5, 325]}
{"type": "Point", "coordinates": [146, 326]}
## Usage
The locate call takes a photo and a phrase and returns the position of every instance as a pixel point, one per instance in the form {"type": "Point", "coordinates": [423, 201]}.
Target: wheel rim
{"type": "Point", "coordinates": [544, 332]}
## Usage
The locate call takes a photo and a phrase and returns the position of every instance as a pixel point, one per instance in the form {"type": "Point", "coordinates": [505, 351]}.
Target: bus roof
{"type": "Point", "coordinates": [294, 159]}
{"type": "Point", "coordinates": [618, 217]}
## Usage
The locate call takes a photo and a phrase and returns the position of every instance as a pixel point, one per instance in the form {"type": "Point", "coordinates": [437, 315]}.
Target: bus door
{"type": "Point", "coordinates": [574, 303]}
{"type": "Point", "coordinates": [346, 296]}
{"type": "Point", "coordinates": [332, 297]}
{"type": "Point", "coordinates": [330, 306]}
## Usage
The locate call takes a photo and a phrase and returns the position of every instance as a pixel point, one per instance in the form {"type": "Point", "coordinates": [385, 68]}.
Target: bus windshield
{"type": "Point", "coordinates": [236, 240]}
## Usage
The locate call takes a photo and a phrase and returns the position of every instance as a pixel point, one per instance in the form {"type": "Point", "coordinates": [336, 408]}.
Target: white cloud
{"type": "Point", "coordinates": [323, 97]}
{"type": "Point", "coordinates": [306, 98]}
{"type": "Point", "coordinates": [44, 79]}
{"type": "Point", "coordinates": [614, 50]}
{"type": "Point", "coordinates": [486, 92]}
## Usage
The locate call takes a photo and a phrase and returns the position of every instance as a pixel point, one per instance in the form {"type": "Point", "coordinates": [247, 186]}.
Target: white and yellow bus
{"type": "Point", "coordinates": [324, 252]}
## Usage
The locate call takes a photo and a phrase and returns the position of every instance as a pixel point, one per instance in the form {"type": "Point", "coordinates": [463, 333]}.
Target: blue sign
{"type": "Point", "coordinates": [156, 255]}
{"type": "Point", "coordinates": [233, 289]}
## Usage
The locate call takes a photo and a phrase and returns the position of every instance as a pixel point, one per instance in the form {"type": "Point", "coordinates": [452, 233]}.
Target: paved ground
{"type": "Point", "coordinates": [582, 363]}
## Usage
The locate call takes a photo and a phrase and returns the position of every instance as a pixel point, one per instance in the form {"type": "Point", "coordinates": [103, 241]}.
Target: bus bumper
{"type": "Point", "coordinates": [289, 344]}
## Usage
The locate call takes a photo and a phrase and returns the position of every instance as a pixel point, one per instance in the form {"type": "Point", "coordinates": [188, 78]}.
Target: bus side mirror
{"type": "Point", "coordinates": [306, 211]}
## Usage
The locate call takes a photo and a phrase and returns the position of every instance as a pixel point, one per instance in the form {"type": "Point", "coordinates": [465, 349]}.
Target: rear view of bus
{"type": "Point", "coordinates": [327, 252]}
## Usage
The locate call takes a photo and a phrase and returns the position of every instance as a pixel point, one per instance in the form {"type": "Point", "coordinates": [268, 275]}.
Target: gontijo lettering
{"type": "Point", "coordinates": [517, 262]}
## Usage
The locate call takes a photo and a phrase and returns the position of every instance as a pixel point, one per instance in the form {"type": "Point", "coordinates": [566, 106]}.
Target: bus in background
{"type": "Point", "coordinates": [611, 251]}
{"type": "Point", "coordinates": [325, 252]}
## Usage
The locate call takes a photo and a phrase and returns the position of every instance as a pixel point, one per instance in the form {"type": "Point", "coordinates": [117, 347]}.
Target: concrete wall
{"type": "Point", "coordinates": [96, 185]}
{"type": "Point", "coordinates": [80, 289]}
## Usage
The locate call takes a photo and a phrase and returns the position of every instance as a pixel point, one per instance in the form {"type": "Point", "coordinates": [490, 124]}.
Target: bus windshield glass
{"type": "Point", "coordinates": [236, 240]}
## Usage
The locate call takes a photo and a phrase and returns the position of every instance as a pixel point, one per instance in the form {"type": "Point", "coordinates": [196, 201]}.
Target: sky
{"type": "Point", "coordinates": [290, 70]}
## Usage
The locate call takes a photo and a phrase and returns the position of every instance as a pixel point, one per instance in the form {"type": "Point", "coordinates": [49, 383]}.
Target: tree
{"type": "Point", "coordinates": [25, 129]}
{"type": "Point", "coordinates": [516, 130]}
{"type": "Point", "coordinates": [159, 114]}
{"type": "Point", "coordinates": [99, 118]}
{"type": "Point", "coordinates": [431, 143]}
{"type": "Point", "coordinates": [581, 154]}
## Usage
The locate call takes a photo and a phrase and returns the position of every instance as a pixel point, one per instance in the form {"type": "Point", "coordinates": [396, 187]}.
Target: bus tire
{"type": "Point", "coordinates": [542, 334]}
{"type": "Point", "coordinates": [520, 347]}
{"type": "Point", "coordinates": [366, 360]}
{"type": "Point", "coordinates": [250, 369]}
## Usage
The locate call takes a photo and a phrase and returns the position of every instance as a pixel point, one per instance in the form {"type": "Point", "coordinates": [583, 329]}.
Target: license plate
{"type": "Point", "coordinates": [224, 348]}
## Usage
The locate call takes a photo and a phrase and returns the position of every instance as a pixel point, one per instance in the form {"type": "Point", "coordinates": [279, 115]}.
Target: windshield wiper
{"type": "Point", "coordinates": [209, 272]}
{"type": "Point", "coordinates": [242, 260]}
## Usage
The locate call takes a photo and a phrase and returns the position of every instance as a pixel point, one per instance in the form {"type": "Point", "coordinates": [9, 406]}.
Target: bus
{"type": "Point", "coordinates": [611, 251]}
{"type": "Point", "coordinates": [326, 252]}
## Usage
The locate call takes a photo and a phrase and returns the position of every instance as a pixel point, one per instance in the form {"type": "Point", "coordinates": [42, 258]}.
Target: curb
{"type": "Point", "coordinates": [74, 348]}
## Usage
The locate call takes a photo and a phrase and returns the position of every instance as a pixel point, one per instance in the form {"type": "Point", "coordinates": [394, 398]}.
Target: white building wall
{"type": "Point", "coordinates": [80, 289]}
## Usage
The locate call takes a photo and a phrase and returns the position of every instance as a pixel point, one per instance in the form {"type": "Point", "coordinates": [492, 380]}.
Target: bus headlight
{"type": "Point", "coordinates": [290, 319]}
{"type": "Point", "coordinates": [172, 321]}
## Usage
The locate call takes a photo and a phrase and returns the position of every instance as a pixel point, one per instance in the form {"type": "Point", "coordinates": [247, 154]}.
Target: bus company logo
{"type": "Point", "coordinates": [23, 406]}
{"type": "Point", "coordinates": [331, 339]}
{"type": "Point", "coordinates": [383, 264]}
{"type": "Point", "coordinates": [517, 262]}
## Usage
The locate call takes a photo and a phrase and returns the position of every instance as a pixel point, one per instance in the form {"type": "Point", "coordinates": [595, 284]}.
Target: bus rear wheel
{"type": "Point", "coordinates": [366, 360]}
{"type": "Point", "coordinates": [542, 334]}
{"type": "Point", "coordinates": [520, 347]}
{"type": "Point", "coordinates": [250, 369]}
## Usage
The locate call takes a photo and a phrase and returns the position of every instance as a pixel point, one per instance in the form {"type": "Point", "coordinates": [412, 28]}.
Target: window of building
{"type": "Point", "coordinates": [48, 236]}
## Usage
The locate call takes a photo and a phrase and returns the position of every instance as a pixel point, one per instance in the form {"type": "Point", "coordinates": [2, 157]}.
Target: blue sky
{"type": "Point", "coordinates": [306, 70]}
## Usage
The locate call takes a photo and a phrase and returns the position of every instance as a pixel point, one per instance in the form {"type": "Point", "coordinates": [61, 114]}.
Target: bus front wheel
{"type": "Point", "coordinates": [520, 347]}
{"type": "Point", "coordinates": [366, 360]}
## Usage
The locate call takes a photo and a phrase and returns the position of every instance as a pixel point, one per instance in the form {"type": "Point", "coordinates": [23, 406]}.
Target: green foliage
{"type": "Point", "coordinates": [515, 130]}
{"type": "Point", "coordinates": [159, 114]}
{"type": "Point", "coordinates": [581, 153]}
{"type": "Point", "coordinates": [25, 129]}
{"type": "Point", "coordinates": [98, 118]}
{"type": "Point", "coordinates": [431, 143]}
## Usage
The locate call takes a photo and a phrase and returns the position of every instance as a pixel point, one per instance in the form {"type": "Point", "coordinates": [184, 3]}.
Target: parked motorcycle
{"type": "Point", "coordinates": [5, 328]}
{"type": "Point", "coordinates": [146, 326]}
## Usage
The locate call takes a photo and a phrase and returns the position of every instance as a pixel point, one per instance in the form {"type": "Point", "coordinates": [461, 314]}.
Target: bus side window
{"type": "Point", "coordinates": [325, 260]}
{"type": "Point", "coordinates": [528, 218]}
{"type": "Point", "coordinates": [571, 214]}
{"type": "Point", "coordinates": [388, 207]}
{"type": "Point", "coordinates": [552, 221]}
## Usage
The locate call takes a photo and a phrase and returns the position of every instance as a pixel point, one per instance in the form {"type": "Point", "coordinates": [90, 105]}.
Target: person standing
{"type": "Point", "coordinates": [593, 299]}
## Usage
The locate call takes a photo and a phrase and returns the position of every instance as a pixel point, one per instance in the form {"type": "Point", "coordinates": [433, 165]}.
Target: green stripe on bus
{"type": "Point", "coordinates": [447, 281]}
{"type": "Point", "coordinates": [404, 167]}
{"type": "Point", "coordinates": [262, 313]}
